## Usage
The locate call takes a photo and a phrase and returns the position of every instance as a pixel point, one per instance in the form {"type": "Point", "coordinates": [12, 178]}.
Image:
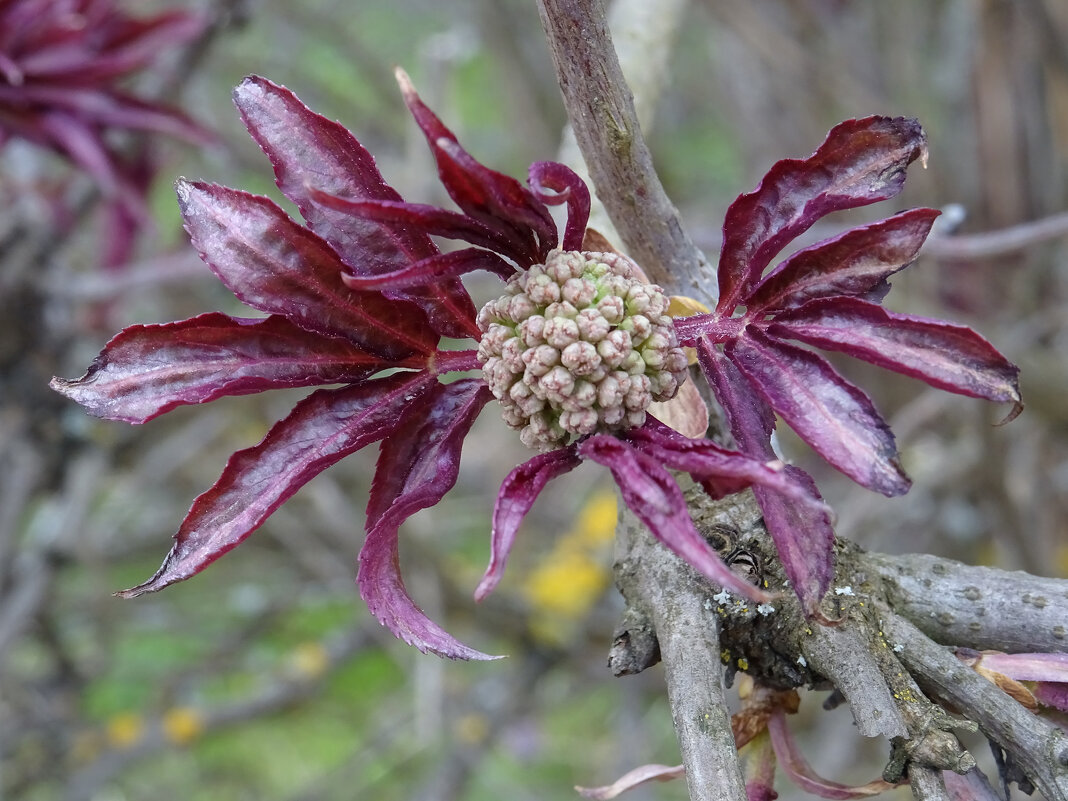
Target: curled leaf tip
{"type": "Point", "coordinates": [1014, 412]}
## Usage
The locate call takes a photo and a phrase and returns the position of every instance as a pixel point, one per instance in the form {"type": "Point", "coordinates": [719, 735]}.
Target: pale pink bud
{"type": "Point", "coordinates": [580, 358]}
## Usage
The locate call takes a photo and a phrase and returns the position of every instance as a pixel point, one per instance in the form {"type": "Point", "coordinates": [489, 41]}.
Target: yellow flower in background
{"type": "Point", "coordinates": [574, 574]}
{"type": "Point", "coordinates": [182, 725]}
{"type": "Point", "coordinates": [125, 729]}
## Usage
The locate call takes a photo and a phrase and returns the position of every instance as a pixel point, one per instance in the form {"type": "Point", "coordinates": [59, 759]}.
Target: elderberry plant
{"type": "Point", "coordinates": [575, 349]}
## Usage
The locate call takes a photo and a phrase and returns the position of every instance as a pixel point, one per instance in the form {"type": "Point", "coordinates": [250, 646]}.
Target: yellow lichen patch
{"type": "Point", "coordinates": [125, 729]}
{"type": "Point", "coordinates": [309, 660]}
{"type": "Point", "coordinates": [743, 663]}
{"type": "Point", "coordinates": [182, 725]}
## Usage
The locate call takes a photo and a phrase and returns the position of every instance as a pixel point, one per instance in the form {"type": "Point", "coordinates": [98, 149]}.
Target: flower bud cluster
{"type": "Point", "coordinates": [576, 346]}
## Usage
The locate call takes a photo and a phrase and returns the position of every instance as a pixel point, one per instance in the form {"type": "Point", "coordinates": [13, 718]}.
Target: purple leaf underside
{"type": "Point", "coordinates": [861, 162]}
{"type": "Point", "coordinates": [856, 263]}
{"type": "Point", "coordinates": [652, 494]}
{"type": "Point", "coordinates": [321, 430]}
{"type": "Point", "coordinates": [802, 532]}
{"type": "Point", "coordinates": [418, 463]}
{"type": "Point", "coordinates": [147, 370]}
{"type": "Point", "coordinates": [518, 492]}
{"type": "Point", "coordinates": [277, 266]}
{"type": "Point", "coordinates": [308, 152]}
{"type": "Point", "coordinates": [947, 356]}
{"type": "Point", "coordinates": [836, 418]}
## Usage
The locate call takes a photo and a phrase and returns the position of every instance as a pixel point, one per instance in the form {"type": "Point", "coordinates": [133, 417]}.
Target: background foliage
{"type": "Point", "coordinates": [265, 678]}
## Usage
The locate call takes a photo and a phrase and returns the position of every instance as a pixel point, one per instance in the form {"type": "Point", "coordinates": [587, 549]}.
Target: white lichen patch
{"type": "Point", "coordinates": [721, 597]}
{"type": "Point", "coordinates": [765, 609]}
{"type": "Point", "coordinates": [847, 590]}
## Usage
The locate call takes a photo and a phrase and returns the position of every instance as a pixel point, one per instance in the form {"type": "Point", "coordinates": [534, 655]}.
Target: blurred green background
{"type": "Point", "coordinates": [265, 678]}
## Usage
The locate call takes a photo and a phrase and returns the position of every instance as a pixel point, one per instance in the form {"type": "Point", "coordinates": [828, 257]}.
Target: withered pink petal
{"type": "Point", "coordinates": [497, 200]}
{"type": "Point", "coordinates": [147, 370]}
{"type": "Point", "coordinates": [556, 183]}
{"type": "Point", "coordinates": [836, 418]}
{"type": "Point", "coordinates": [654, 497]}
{"type": "Point", "coordinates": [861, 162]}
{"type": "Point", "coordinates": [856, 263]}
{"type": "Point", "coordinates": [631, 779]}
{"type": "Point", "coordinates": [308, 150]}
{"type": "Point", "coordinates": [435, 268]}
{"type": "Point", "coordinates": [518, 492]}
{"type": "Point", "coordinates": [382, 587]}
{"type": "Point", "coordinates": [760, 764]}
{"type": "Point", "coordinates": [1027, 667]}
{"type": "Point", "coordinates": [972, 786]}
{"type": "Point", "coordinates": [321, 430]}
{"type": "Point", "coordinates": [802, 532]}
{"type": "Point", "coordinates": [947, 356]}
{"type": "Point", "coordinates": [277, 266]}
{"type": "Point", "coordinates": [418, 463]}
{"type": "Point", "coordinates": [1053, 694]}
{"type": "Point", "coordinates": [800, 772]}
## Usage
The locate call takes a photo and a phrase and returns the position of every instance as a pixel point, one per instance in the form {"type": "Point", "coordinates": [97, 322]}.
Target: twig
{"type": "Point", "coordinates": [927, 784]}
{"type": "Point", "coordinates": [601, 109]}
{"type": "Point", "coordinates": [1038, 747]}
{"type": "Point", "coordinates": [997, 243]}
{"type": "Point", "coordinates": [979, 607]}
{"type": "Point", "coordinates": [666, 589]}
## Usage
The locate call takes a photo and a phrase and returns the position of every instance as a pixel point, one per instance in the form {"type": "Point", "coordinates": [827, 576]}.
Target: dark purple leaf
{"type": "Point", "coordinates": [382, 587]}
{"type": "Point", "coordinates": [108, 108]}
{"type": "Point", "coordinates": [829, 413]}
{"type": "Point", "coordinates": [147, 370]}
{"type": "Point", "coordinates": [860, 162]}
{"type": "Point", "coordinates": [803, 535]}
{"type": "Point", "coordinates": [751, 420]}
{"type": "Point", "coordinates": [857, 263]}
{"type": "Point", "coordinates": [277, 266]}
{"type": "Point", "coordinates": [705, 461]}
{"type": "Point", "coordinates": [517, 494]}
{"type": "Point", "coordinates": [439, 222]}
{"type": "Point", "coordinates": [555, 183]}
{"type": "Point", "coordinates": [654, 497]}
{"type": "Point", "coordinates": [417, 465]}
{"type": "Point", "coordinates": [497, 200]}
{"type": "Point", "coordinates": [947, 356]}
{"type": "Point", "coordinates": [436, 268]}
{"type": "Point", "coordinates": [321, 430]}
{"type": "Point", "coordinates": [309, 151]}
{"type": "Point", "coordinates": [802, 532]}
